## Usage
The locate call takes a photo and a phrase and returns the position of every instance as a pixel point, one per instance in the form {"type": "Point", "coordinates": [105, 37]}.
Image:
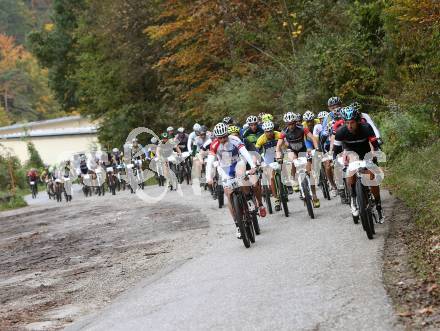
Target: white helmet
{"type": "Point", "coordinates": [170, 128]}
{"type": "Point", "coordinates": [181, 130]}
{"type": "Point", "coordinates": [296, 117]}
{"type": "Point", "coordinates": [221, 130]}
{"type": "Point", "coordinates": [268, 126]}
{"type": "Point", "coordinates": [289, 117]}
{"type": "Point", "coordinates": [252, 120]}
{"type": "Point", "coordinates": [322, 114]}
{"type": "Point", "coordinates": [154, 140]}
{"type": "Point", "coordinates": [197, 127]}
{"type": "Point", "coordinates": [134, 140]}
{"type": "Point", "coordinates": [308, 116]}
{"type": "Point", "coordinates": [115, 150]}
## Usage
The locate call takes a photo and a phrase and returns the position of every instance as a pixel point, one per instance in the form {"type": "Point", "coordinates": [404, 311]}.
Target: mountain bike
{"type": "Point", "coordinates": [280, 188]}
{"type": "Point", "coordinates": [243, 216]}
{"type": "Point", "coordinates": [323, 180]}
{"type": "Point", "coordinates": [364, 198]}
{"type": "Point", "coordinates": [305, 185]}
{"type": "Point", "coordinates": [34, 188]}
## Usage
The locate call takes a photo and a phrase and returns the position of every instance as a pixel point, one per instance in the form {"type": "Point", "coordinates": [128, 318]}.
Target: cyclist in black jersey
{"type": "Point", "coordinates": [357, 137]}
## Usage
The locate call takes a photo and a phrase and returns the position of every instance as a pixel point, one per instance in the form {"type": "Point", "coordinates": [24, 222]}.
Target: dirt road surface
{"type": "Point", "coordinates": [179, 266]}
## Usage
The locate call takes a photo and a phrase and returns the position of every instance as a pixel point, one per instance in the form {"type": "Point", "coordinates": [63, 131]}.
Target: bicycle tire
{"type": "Point", "coordinates": [307, 197]}
{"type": "Point", "coordinates": [281, 195]}
{"type": "Point", "coordinates": [239, 219]}
{"type": "Point", "coordinates": [256, 224]}
{"type": "Point", "coordinates": [266, 195]}
{"type": "Point", "coordinates": [362, 201]}
{"type": "Point", "coordinates": [220, 196]}
{"type": "Point", "coordinates": [324, 184]}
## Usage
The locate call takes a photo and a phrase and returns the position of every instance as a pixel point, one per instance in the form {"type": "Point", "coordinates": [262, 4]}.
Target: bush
{"type": "Point", "coordinates": [35, 160]}
{"type": "Point", "coordinates": [404, 131]}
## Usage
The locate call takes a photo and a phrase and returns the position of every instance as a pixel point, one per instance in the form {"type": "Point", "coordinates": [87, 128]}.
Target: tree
{"type": "Point", "coordinates": [15, 19]}
{"type": "Point", "coordinates": [35, 160]}
{"type": "Point", "coordinates": [56, 49]}
{"type": "Point", "coordinates": [23, 84]}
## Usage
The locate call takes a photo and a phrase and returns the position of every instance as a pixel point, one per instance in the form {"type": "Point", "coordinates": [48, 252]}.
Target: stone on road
{"type": "Point", "coordinates": [301, 274]}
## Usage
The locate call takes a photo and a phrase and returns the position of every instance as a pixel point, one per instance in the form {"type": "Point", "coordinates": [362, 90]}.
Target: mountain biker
{"type": "Point", "coordinates": [315, 126]}
{"type": "Point", "coordinates": [234, 130]}
{"type": "Point", "coordinates": [170, 132]}
{"type": "Point", "coordinates": [358, 137]}
{"type": "Point", "coordinates": [266, 144]}
{"type": "Point", "coordinates": [32, 176]}
{"type": "Point", "coordinates": [253, 132]}
{"type": "Point", "coordinates": [294, 137]}
{"type": "Point", "coordinates": [191, 147]}
{"type": "Point", "coordinates": [366, 118]}
{"type": "Point", "coordinates": [116, 157]}
{"type": "Point", "coordinates": [182, 139]}
{"type": "Point", "coordinates": [227, 150]}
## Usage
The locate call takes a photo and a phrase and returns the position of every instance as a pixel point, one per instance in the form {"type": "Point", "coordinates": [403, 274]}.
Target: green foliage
{"type": "Point", "coordinates": [8, 161]}
{"type": "Point", "coordinates": [405, 131]}
{"type": "Point", "coordinates": [35, 160]}
{"type": "Point", "coordinates": [414, 177]}
{"type": "Point", "coordinates": [15, 19]}
{"type": "Point", "coordinates": [8, 201]}
{"type": "Point", "coordinates": [56, 49]}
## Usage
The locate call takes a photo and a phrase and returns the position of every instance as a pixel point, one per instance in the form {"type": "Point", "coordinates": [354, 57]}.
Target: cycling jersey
{"type": "Point", "coordinates": [358, 141]}
{"type": "Point", "coordinates": [252, 136]}
{"type": "Point", "coordinates": [228, 155]}
{"type": "Point", "coordinates": [268, 146]}
{"type": "Point", "coordinates": [309, 142]}
{"type": "Point", "coordinates": [295, 138]}
{"type": "Point", "coordinates": [182, 141]}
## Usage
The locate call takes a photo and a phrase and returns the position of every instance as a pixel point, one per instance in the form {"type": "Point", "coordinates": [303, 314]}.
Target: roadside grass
{"type": "Point", "coordinates": [14, 201]}
{"type": "Point", "coordinates": [414, 177]}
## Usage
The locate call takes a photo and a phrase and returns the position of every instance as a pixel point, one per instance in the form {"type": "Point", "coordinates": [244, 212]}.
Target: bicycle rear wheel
{"type": "Point", "coordinates": [282, 193]}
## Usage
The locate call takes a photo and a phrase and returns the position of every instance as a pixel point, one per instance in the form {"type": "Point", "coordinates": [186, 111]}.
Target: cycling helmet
{"type": "Point", "coordinates": [268, 126]}
{"type": "Point", "coordinates": [233, 129]}
{"type": "Point", "coordinates": [154, 140]}
{"type": "Point", "coordinates": [322, 114]}
{"type": "Point", "coordinates": [260, 116]}
{"type": "Point", "coordinates": [356, 105]}
{"type": "Point", "coordinates": [308, 116]}
{"type": "Point", "coordinates": [203, 129]}
{"type": "Point", "coordinates": [267, 118]}
{"type": "Point", "coordinates": [134, 140]}
{"type": "Point", "coordinates": [334, 101]}
{"type": "Point", "coordinates": [164, 135]}
{"type": "Point", "coordinates": [252, 120]}
{"type": "Point", "coordinates": [296, 117]}
{"type": "Point", "coordinates": [181, 130]}
{"type": "Point", "coordinates": [350, 113]}
{"type": "Point", "coordinates": [196, 127]}
{"type": "Point", "coordinates": [115, 150]}
{"type": "Point", "coordinates": [170, 128]}
{"type": "Point", "coordinates": [221, 130]}
{"type": "Point", "coordinates": [228, 120]}
{"type": "Point", "coordinates": [288, 117]}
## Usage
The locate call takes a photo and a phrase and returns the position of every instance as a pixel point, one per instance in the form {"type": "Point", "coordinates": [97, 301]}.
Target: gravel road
{"type": "Point", "coordinates": [301, 274]}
